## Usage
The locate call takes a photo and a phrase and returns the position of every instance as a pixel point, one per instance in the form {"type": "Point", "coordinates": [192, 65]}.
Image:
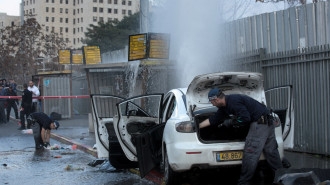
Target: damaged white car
{"type": "Point", "coordinates": [156, 129]}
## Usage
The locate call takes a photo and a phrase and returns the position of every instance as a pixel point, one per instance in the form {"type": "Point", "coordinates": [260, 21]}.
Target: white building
{"type": "Point", "coordinates": [8, 20]}
{"type": "Point", "coordinates": [71, 18]}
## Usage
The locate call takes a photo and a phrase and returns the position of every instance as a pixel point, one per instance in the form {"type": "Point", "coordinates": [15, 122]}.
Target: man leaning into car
{"type": "Point", "coordinates": [261, 135]}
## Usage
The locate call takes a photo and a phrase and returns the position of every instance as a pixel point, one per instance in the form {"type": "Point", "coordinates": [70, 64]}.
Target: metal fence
{"type": "Point", "coordinates": [295, 28]}
{"type": "Point", "coordinates": [308, 71]}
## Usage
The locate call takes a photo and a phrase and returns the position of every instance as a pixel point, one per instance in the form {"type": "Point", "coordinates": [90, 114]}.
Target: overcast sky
{"type": "Point", "coordinates": [11, 7]}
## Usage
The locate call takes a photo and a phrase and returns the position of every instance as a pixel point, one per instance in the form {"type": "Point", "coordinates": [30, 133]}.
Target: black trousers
{"type": "Point", "coordinates": [2, 112]}
{"type": "Point", "coordinates": [14, 106]}
{"type": "Point", "coordinates": [24, 114]}
{"type": "Point", "coordinates": [261, 138]}
{"type": "Point", "coordinates": [37, 135]}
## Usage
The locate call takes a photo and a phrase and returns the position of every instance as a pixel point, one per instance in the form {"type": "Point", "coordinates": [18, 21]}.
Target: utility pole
{"type": "Point", "coordinates": [144, 16]}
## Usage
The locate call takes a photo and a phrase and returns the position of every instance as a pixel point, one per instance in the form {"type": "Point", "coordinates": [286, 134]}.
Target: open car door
{"type": "Point", "coordinates": [139, 130]}
{"type": "Point", "coordinates": [104, 109]}
{"type": "Point", "coordinates": [280, 100]}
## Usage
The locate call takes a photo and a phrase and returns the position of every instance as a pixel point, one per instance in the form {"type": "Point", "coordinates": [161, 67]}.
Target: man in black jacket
{"type": "Point", "coordinates": [25, 106]}
{"type": "Point", "coordinates": [11, 103]}
{"type": "Point", "coordinates": [261, 137]}
{"type": "Point", "coordinates": [41, 126]}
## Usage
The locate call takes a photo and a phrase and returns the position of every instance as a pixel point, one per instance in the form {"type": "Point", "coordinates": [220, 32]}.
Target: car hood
{"type": "Point", "coordinates": [247, 83]}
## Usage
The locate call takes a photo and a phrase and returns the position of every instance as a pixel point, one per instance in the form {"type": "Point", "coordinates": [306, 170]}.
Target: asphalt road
{"type": "Point", "coordinates": [20, 163]}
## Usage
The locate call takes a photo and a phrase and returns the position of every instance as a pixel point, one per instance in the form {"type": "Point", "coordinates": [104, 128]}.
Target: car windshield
{"type": "Point", "coordinates": [212, 109]}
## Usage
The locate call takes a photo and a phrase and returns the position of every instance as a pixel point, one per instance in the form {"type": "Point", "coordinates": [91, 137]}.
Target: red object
{"type": "Point", "coordinates": [74, 147]}
{"type": "Point", "coordinates": [57, 156]}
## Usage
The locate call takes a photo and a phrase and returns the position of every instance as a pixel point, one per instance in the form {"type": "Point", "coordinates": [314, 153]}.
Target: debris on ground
{"type": "Point", "coordinates": [27, 131]}
{"type": "Point", "coordinates": [57, 156]}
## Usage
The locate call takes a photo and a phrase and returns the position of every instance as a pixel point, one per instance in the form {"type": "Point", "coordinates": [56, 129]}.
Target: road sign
{"type": "Point", "coordinates": [137, 47]}
{"type": "Point", "coordinates": [64, 56]}
{"type": "Point", "coordinates": [92, 54]}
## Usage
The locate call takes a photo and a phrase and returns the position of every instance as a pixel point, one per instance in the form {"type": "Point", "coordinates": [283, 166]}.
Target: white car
{"type": "Point", "coordinates": [156, 129]}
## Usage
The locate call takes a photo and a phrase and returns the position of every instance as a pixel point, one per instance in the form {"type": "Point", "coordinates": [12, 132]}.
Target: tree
{"type": "Point", "coordinates": [112, 35]}
{"type": "Point", "coordinates": [21, 47]}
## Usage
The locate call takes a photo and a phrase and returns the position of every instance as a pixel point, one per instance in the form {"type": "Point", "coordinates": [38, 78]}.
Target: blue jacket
{"type": "Point", "coordinates": [244, 108]}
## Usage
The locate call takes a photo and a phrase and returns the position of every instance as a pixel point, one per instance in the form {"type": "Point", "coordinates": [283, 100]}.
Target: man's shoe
{"type": "Point", "coordinates": [21, 128]}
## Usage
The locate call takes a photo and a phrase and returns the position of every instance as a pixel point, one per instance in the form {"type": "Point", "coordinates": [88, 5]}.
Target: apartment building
{"type": "Point", "coordinates": [8, 20]}
{"type": "Point", "coordinates": [71, 18]}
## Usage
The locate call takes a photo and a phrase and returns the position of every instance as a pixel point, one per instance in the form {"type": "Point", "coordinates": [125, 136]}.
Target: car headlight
{"type": "Point", "coordinates": [185, 127]}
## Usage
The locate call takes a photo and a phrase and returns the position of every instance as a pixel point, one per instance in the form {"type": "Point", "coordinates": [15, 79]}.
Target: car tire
{"type": "Point", "coordinates": [171, 177]}
{"type": "Point", "coordinates": [117, 157]}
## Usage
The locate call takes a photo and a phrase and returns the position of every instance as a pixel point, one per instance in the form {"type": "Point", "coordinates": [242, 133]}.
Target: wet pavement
{"type": "Point", "coordinates": [20, 163]}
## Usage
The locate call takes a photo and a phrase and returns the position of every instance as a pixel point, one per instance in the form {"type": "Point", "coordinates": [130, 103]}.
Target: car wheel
{"type": "Point", "coordinates": [171, 177]}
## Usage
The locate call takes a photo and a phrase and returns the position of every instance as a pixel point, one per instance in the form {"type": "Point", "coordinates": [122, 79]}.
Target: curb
{"type": "Point", "coordinates": [68, 141]}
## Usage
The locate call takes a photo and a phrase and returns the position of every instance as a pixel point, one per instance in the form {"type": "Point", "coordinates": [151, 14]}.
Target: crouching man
{"type": "Point", "coordinates": [41, 125]}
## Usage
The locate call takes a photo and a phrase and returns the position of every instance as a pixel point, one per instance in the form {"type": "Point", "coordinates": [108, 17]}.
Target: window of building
{"type": "Point", "coordinates": [61, 20]}
{"type": "Point", "coordinates": [95, 1]}
{"type": "Point", "coordinates": [109, 2]}
{"type": "Point", "coordinates": [53, 19]}
{"type": "Point", "coordinates": [66, 11]}
{"type": "Point", "coordinates": [74, 21]}
{"type": "Point", "coordinates": [109, 19]}
{"type": "Point", "coordinates": [123, 12]}
{"type": "Point", "coordinates": [53, 10]}
{"type": "Point", "coordinates": [81, 10]}
{"type": "Point", "coordinates": [94, 19]}
{"type": "Point", "coordinates": [53, 1]}
{"type": "Point", "coordinates": [82, 1]}
{"type": "Point", "coordinates": [61, 29]}
{"type": "Point", "coordinates": [94, 9]}
{"type": "Point", "coordinates": [81, 20]}
{"type": "Point", "coordinates": [82, 29]}
{"type": "Point", "coordinates": [78, 20]}
{"type": "Point", "coordinates": [78, 10]}
{"type": "Point", "coordinates": [53, 29]}
{"type": "Point", "coordinates": [100, 1]}
{"type": "Point", "coordinates": [47, 9]}
{"type": "Point", "coordinates": [66, 29]}
{"type": "Point", "coordinates": [74, 41]}
{"type": "Point", "coordinates": [123, 2]}
{"type": "Point", "coordinates": [115, 1]}
{"type": "Point", "coordinates": [129, 3]}
{"type": "Point", "coordinates": [34, 10]}
{"type": "Point", "coordinates": [115, 19]}
{"type": "Point", "coordinates": [67, 40]}
{"type": "Point", "coordinates": [66, 20]}
{"type": "Point", "coordinates": [115, 11]}
{"type": "Point", "coordinates": [101, 19]}
{"type": "Point", "coordinates": [61, 1]}
{"type": "Point", "coordinates": [74, 30]}
{"type": "Point", "coordinates": [34, 2]}
{"type": "Point", "coordinates": [129, 12]}
{"type": "Point", "coordinates": [47, 29]}
{"type": "Point", "coordinates": [61, 10]}
{"type": "Point", "coordinates": [78, 30]}
{"type": "Point", "coordinates": [78, 40]}
{"type": "Point", "coordinates": [74, 11]}
{"type": "Point", "coordinates": [109, 10]}
{"type": "Point", "coordinates": [47, 19]}
{"type": "Point", "coordinates": [101, 10]}
{"type": "Point", "coordinates": [66, 1]}
{"type": "Point", "coordinates": [30, 1]}
{"type": "Point", "coordinates": [78, 1]}
{"type": "Point", "coordinates": [30, 11]}
{"type": "Point", "coordinates": [27, 2]}
{"type": "Point", "coordinates": [47, 1]}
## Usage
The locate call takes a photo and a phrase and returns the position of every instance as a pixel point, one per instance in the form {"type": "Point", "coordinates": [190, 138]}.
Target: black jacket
{"type": "Point", "coordinates": [244, 108]}
{"type": "Point", "coordinates": [11, 93]}
{"type": "Point", "coordinates": [26, 98]}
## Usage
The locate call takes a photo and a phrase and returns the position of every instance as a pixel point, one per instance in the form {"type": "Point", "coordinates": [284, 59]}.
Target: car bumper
{"type": "Point", "coordinates": [187, 155]}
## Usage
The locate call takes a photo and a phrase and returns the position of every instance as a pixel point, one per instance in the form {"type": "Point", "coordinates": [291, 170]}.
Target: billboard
{"type": "Point", "coordinates": [137, 47]}
{"type": "Point", "coordinates": [77, 56]}
{"type": "Point", "coordinates": [64, 56]}
{"type": "Point", "coordinates": [158, 45]}
{"type": "Point", "coordinates": [92, 54]}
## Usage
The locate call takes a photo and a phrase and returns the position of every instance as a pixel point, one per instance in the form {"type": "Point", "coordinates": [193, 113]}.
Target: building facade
{"type": "Point", "coordinates": [8, 20]}
{"type": "Point", "coordinates": [71, 18]}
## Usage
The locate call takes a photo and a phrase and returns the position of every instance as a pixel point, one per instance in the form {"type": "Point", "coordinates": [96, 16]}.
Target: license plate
{"type": "Point", "coordinates": [230, 156]}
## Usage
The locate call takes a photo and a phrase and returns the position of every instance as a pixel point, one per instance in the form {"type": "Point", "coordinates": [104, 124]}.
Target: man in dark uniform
{"type": "Point", "coordinates": [261, 136]}
{"type": "Point", "coordinates": [25, 106]}
{"type": "Point", "coordinates": [11, 103]}
{"type": "Point", "coordinates": [41, 126]}
{"type": "Point", "coordinates": [2, 105]}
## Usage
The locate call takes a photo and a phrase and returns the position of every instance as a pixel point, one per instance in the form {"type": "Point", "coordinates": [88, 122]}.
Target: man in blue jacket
{"type": "Point", "coordinates": [261, 136]}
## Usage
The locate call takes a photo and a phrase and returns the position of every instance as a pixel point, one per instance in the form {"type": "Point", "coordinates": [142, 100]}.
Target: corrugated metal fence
{"type": "Point", "coordinates": [308, 71]}
{"type": "Point", "coordinates": [294, 28]}
{"type": "Point", "coordinates": [294, 50]}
